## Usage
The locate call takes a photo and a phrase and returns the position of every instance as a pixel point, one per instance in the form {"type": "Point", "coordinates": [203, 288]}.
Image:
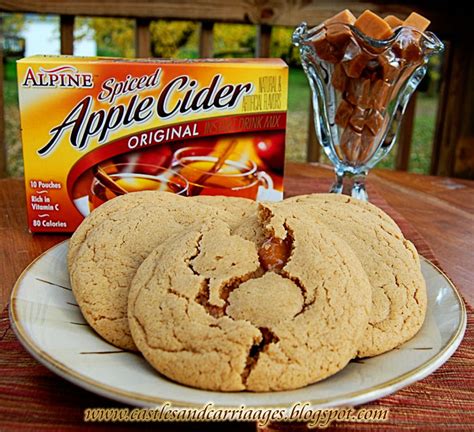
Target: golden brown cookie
{"type": "Point", "coordinates": [205, 311]}
{"type": "Point", "coordinates": [241, 214]}
{"type": "Point", "coordinates": [101, 214]}
{"type": "Point", "coordinates": [355, 205]}
{"type": "Point", "coordinates": [390, 261]}
{"type": "Point", "coordinates": [109, 251]}
{"type": "Point", "coordinates": [238, 209]}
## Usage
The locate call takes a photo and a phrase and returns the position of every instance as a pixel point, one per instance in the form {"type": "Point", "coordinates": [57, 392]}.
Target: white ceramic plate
{"type": "Point", "coordinates": [48, 322]}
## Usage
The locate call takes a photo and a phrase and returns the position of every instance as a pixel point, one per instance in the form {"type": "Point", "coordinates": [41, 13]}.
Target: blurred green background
{"type": "Point", "coordinates": [179, 39]}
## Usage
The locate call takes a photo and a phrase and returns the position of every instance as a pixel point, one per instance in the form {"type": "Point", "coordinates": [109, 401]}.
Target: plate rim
{"type": "Point", "coordinates": [354, 398]}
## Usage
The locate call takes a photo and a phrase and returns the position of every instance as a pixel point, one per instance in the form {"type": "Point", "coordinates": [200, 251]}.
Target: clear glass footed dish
{"type": "Point", "coordinates": [360, 89]}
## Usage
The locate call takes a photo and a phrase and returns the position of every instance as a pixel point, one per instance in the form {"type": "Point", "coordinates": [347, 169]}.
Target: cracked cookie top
{"type": "Point", "coordinates": [216, 308]}
{"type": "Point", "coordinates": [391, 262]}
{"type": "Point", "coordinates": [101, 214]}
{"type": "Point", "coordinates": [237, 208]}
{"type": "Point", "coordinates": [112, 242]}
{"type": "Point", "coordinates": [347, 203]}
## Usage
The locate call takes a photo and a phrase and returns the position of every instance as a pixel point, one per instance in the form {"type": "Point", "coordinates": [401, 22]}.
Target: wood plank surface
{"type": "Point", "coordinates": [441, 209]}
{"type": "Point", "coordinates": [405, 136]}
{"type": "Point", "coordinates": [206, 39]}
{"type": "Point", "coordinates": [313, 148]}
{"type": "Point", "coordinates": [66, 27]}
{"type": "Point", "coordinates": [264, 34]}
{"type": "Point", "coordinates": [453, 152]}
{"type": "Point", "coordinates": [142, 38]}
{"type": "Point", "coordinates": [274, 12]}
{"type": "Point", "coordinates": [33, 398]}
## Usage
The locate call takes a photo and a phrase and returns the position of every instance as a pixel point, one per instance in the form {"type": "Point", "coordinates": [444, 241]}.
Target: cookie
{"type": "Point", "coordinates": [210, 309]}
{"type": "Point", "coordinates": [355, 205]}
{"type": "Point", "coordinates": [114, 244]}
{"type": "Point", "coordinates": [390, 261]}
{"type": "Point", "coordinates": [101, 214]}
{"type": "Point", "coordinates": [238, 209]}
{"type": "Point", "coordinates": [242, 215]}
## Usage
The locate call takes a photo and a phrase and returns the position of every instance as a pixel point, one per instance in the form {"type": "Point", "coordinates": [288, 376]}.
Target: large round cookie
{"type": "Point", "coordinates": [104, 263]}
{"type": "Point", "coordinates": [204, 311]}
{"type": "Point", "coordinates": [390, 261]}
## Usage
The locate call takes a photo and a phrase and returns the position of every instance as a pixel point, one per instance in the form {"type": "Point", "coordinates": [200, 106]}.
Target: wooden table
{"type": "Point", "coordinates": [441, 209]}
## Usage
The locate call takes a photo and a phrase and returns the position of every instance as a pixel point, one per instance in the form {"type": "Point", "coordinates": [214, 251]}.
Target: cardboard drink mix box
{"type": "Point", "coordinates": [96, 128]}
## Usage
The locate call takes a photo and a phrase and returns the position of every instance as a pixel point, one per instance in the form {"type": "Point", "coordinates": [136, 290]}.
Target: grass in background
{"type": "Point", "coordinates": [423, 134]}
{"type": "Point", "coordinates": [297, 128]}
{"type": "Point", "coordinates": [12, 121]}
{"type": "Point", "coordinates": [298, 116]}
{"type": "Point", "coordinates": [297, 125]}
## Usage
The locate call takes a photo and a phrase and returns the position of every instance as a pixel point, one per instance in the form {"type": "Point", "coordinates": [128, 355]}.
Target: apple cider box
{"type": "Point", "coordinates": [96, 128]}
